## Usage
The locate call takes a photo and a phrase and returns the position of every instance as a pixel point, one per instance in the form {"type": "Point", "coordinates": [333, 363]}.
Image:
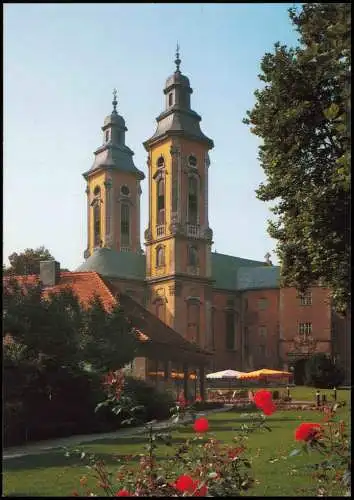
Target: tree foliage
{"type": "Point", "coordinates": [302, 115]}
{"type": "Point", "coordinates": [27, 262]}
{"type": "Point", "coordinates": [321, 372]}
{"type": "Point", "coordinates": [59, 331]}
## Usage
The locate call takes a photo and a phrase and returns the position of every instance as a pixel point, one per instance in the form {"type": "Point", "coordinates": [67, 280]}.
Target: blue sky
{"type": "Point", "coordinates": [61, 62]}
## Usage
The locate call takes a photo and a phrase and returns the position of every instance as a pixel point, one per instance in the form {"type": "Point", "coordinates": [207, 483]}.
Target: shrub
{"type": "Point", "coordinates": [321, 372]}
{"type": "Point", "coordinates": [156, 403]}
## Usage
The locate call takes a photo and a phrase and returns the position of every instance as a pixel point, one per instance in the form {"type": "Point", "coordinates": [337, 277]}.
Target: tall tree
{"type": "Point", "coordinates": [302, 115]}
{"type": "Point", "coordinates": [27, 262]}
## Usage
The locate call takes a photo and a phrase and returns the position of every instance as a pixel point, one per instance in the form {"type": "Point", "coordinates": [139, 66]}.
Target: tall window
{"type": "Point", "coordinates": [125, 224]}
{"type": "Point", "coordinates": [306, 298]}
{"type": "Point", "coordinates": [160, 310]}
{"type": "Point", "coordinates": [193, 322]}
{"type": "Point", "coordinates": [262, 332]}
{"type": "Point", "coordinates": [97, 223]}
{"type": "Point", "coordinates": [170, 99]}
{"type": "Point", "coordinates": [108, 210]}
{"type": "Point", "coordinates": [160, 256]}
{"type": "Point", "coordinates": [192, 256]}
{"type": "Point", "coordinates": [161, 202]}
{"type": "Point", "coordinates": [193, 200]}
{"type": "Point", "coordinates": [305, 329]}
{"type": "Point", "coordinates": [230, 330]}
{"type": "Point", "coordinates": [107, 135]}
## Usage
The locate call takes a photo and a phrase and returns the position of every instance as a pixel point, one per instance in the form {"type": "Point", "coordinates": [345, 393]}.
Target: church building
{"type": "Point", "coordinates": [230, 307]}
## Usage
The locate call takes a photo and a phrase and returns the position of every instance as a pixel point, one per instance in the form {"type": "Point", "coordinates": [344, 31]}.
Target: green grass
{"type": "Point", "coordinates": [52, 474]}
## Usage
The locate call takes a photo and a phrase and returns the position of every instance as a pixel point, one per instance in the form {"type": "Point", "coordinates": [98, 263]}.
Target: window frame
{"type": "Point", "coordinates": [305, 329]}
{"type": "Point", "coordinates": [306, 298]}
{"type": "Point", "coordinates": [160, 256]}
{"type": "Point", "coordinates": [192, 251]}
{"type": "Point", "coordinates": [192, 200]}
{"type": "Point", "coordinates": [96, 223]}
{"type": "Point", "coordinates": [160, 201]}
{"type": "Point", "coordinates": [125, 225]}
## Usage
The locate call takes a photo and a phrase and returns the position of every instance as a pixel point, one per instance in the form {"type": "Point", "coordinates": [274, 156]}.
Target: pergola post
{"type": "Point", "coordinates": [185, 381]}
{"type": "Point", "coordinates": [202, 382]}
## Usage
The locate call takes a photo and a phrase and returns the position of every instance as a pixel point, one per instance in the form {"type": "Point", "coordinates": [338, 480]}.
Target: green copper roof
{"type": "Point", "coordinates": [256, 278]}
{"type": "Point", "coordinates": [114, 264]}
{"type": "Point", "coordinates": [225, 267]}
{"type": "Point", "coordinates": [228, 272]}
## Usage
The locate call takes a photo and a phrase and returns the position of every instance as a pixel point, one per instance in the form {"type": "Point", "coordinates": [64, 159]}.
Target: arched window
{"type": "Point", "coordinates": [160, 162]}
{"type": "Point", "coordinates": [160, 309]}
{"type": "Point", "coordinates": [97, 223]}
{"type": "Point", "coordinates": [193, 322]}
{"type": "Point", "coordinates": [193, 256]}
{"type": "Point", "coordinates": [160, 256]}
{"type": "Point", "coordinates": [161, 202]}
{"type": "Point", "coordinates": [125, 224]}
{"type": "Point", "coordinates": [193, 200]}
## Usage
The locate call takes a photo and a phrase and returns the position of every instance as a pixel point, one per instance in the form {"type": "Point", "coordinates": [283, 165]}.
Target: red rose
{"type": "Point", "coordinates": [123, 493]}
{"type": "Point", "coordinates": [307, 431]}
{"type": "Point", "coordinates": [269, 409]}
{"type": "Point", "coordinates": [262, 398]}
{"type": "Point", "coordinates": [184, 483]}
{"type": "Point", "coordinates": [201, 424]}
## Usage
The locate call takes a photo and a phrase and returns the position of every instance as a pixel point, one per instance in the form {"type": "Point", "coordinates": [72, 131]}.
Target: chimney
{"type": "Point", "coordinates": [49, 272]}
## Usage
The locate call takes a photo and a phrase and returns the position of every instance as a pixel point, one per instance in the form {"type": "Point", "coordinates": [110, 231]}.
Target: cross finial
{"type": "Point", "coordinates": [114, 102]}
{"type": "Point", "coordinates": [177, 60]}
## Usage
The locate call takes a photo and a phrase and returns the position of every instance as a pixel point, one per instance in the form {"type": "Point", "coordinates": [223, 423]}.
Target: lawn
{"type": "Point", "coordinates": [53, 474]}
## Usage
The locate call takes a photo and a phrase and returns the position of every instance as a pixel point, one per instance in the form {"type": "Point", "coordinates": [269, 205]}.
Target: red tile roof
{"type": "Point", "coordinates": [87, 284]}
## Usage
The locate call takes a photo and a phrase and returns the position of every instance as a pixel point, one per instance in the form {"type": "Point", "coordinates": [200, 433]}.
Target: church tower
{"type": "Point", "coordinates": [178, 238]}
{"type": "Point", "coordinates": [113, 191]}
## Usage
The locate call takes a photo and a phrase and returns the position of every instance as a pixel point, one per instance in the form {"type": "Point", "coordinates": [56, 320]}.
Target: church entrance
{"type": "Point", "coordinates": [299, 371]}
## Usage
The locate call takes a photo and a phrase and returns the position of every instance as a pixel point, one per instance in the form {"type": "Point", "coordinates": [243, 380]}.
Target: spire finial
{"type": "Point", "coordinates": [177, 60]}
{"type": "Point", "coordinates": [114, 102]}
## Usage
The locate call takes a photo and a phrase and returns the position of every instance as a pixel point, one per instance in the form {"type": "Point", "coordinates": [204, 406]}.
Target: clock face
{"type": "Point", "coordinates": [125, 190]}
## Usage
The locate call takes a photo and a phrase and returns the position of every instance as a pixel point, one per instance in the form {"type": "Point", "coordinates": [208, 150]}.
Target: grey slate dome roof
{"type": "Point", "coordinates": [113, 264]}
{"type": "Point", "coordinates": [177, 79]}
{"type": "Point", "coordinates": [116, 119]}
